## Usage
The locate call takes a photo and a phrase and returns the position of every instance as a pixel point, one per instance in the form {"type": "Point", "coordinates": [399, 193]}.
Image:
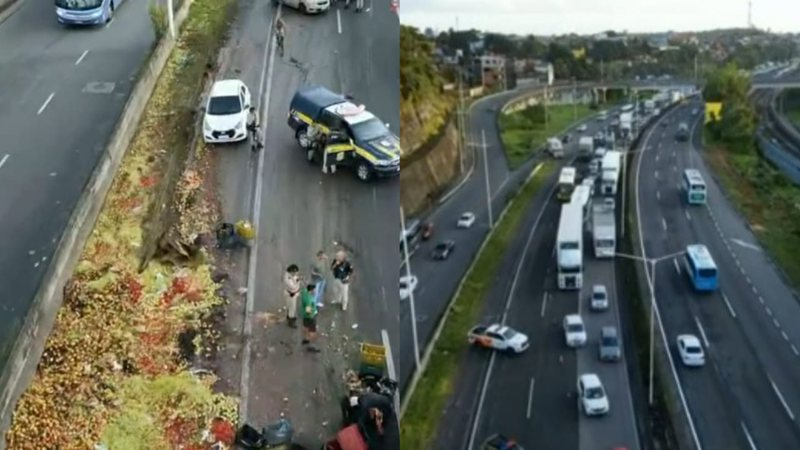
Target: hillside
{"type": "Point", "coordinates": [424, 108]}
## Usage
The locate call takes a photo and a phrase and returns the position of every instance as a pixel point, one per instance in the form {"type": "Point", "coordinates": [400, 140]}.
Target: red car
{"type": "Point", "coordinates": [427, 230]}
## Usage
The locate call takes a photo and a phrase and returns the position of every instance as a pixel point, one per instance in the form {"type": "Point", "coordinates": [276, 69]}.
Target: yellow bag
{"type": "Point", "coordinates": [245, 230]}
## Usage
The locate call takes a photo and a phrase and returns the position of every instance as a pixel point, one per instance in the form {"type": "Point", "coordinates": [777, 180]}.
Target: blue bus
{"type": "Point", "coordinates": [85, 12]}
{"type": "Point", "coordinates": [701, 268]}
{"type": "Point", "coordinates": [695, 187]}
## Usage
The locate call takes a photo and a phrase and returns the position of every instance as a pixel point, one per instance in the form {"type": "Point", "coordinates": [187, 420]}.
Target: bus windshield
{"type": "Point", "coordinates": [79, 5]}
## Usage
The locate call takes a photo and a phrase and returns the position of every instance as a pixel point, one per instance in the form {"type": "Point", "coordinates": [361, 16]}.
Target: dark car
{"type": "Point", "coordinates": [443, 249]}
{"type": "Point", "coordinates": [565, 139]}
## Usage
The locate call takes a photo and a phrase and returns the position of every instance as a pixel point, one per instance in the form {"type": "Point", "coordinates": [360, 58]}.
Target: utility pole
{"type": "Point", "coordinates": [574, 99]}
{"type": "Point", "coordinates": [546, 119]}
{"type": "Point", "coordinates": [171, 18]}
{"type": "Point", "coordinates": [695, 68]}
{"type": "Point", "coordinates": [486, 175]}
{"type": "Point", "coordinates": [461, 130]}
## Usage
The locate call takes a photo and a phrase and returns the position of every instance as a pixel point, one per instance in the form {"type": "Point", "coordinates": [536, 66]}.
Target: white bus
{"type": "Point", "coordinates": [694, 186]}
{"type": "Point", "coordinates": [566, 184]}
{"type": "Point", "coordinates": [569, 247]}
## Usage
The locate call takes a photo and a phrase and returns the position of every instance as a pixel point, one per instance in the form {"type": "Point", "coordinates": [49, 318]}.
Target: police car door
{"type": "Point", "coordinates": [340, 149]}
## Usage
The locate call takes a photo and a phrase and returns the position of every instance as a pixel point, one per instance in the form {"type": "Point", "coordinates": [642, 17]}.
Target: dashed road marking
{"type": "Point", "coordinates": [46, 102]}
{"type": "Point", "coordinates": [686, 212]}
{"type": "Point", "coordinates": [785, 336]}
{"type": "Point", "coordinates": [749, 438]}
{"type": "Point", "coordinates": [769, 311]}
{"type": "Point", "coordinates": [780, 397]}
{"type": "Point", "coordinates": [530, 398]}
{"type": "Point", "coordinates": [702, 332]}
{"type": "Point", "coordinates": [728, 304]}
{"type": "Point", "coordinates": [83, 55]}
{"type": "Point", "coordinates": [656, 174]}
{"type": "Point", "coordinates": [3, 161]}
{"type": "Point", "coordinates": [658, 195]}
{"type": "Point", "coordinates": [794, 349]}
{"type": "Point", "coordinates": [677, 266]}
{"type": "Point", "coordinates": [664, 223]}
{"type": "Point", "coordinates": [544, 303]}
{"type": "Point", "coordinates": [776, 323]}
{"type": "Point", "coordinates": [761, 299]}
{"type": "Point", "coordinates": [339, 21]}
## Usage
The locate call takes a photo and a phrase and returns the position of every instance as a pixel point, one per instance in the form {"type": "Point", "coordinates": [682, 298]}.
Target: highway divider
{"type": "Point", "coordinates": [433, 384]}
{"type": "Point", "coordinates": [108, 301]}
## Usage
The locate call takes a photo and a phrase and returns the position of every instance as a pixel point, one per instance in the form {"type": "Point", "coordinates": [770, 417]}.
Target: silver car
{"type": "Point", "coordinates": [609, 348]}
{"type": "Point", "coordinates": [599, 299]}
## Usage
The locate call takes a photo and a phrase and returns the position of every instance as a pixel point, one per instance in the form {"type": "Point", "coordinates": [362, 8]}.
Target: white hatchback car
{"type": "Point", "coordinates": [592, 395]}
{"type": "Point", "coordinates": [574, 331]}
{"type": "Point", "coordinates": [307, 6]}
{"type": "Point", "coordinates": [466, 220]}
{"type": "Point", "coordinates": [691, 350]}
{"type": "Point", "coordinates": [599, 299]}
{"type": "Point", "coordinates": [407, 286]}
{"type": "Point", "coordinates": [226, 112]}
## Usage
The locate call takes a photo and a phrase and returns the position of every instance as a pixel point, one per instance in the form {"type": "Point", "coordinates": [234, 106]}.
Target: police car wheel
{"type": "Point", "coordinates": [302, 137]}
{"type": "Point", "coordinates": [362, 172]}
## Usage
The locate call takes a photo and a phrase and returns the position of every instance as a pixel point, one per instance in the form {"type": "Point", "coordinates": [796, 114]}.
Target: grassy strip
{"type": "Point", "coordinates": [421, 419]}
{"type": "Point", "coordinates": [522, 137]}
{"type": "Point", "coordinates": [112, 370]}
{"type": "Point", "coordinates": [766, 199]}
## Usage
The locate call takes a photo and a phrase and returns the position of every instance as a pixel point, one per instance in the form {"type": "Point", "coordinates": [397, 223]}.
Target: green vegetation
{"type": "Point", "coordinates": [791, 105]}
{"type": "Point", "coordinates": [524, 132]}
{"type": "Point", "coordinates": [766, 198]}
{"type": "Point", "coordinates": [424, 108]}
{"type": "Point", "coordinates": [421, 419]}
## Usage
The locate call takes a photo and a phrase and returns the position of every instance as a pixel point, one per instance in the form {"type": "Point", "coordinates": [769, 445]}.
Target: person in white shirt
{"type": "Point", "coordinates": [292, 282]}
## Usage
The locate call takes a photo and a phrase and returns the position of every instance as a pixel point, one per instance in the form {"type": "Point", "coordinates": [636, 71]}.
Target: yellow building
{"type": "Point", "coordinates": [713, 111]}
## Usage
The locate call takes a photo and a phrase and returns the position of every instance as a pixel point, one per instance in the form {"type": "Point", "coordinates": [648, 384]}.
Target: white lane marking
{"type": "Point", "coordinates": [785, 336]}
{"type": "Point", "coordinates": [728, 304]}
{"type": "Point", "coordinates": [244, 386]}
{"type": "Point", "coordinates": [83, 55]}
{"type": "Point", "coordinates": [674, 168]}
{"type": "Point", "coordinates": [530, 398]}
{"type": "Point", "coordinates": [657, 155]}
{"type": "Point", "coordinates": [761, 299]}
{"type": "Point", "coordinates": [3, 161]}
{"type": "Point", "coordinates": [544, 303]}
{"type": "Point", "coordinates": [664, 223]}
{"type": "Point", "coordinates": [702, 332]}
{"type": "Point", "coordinates": [794, 349]}
{"type": "Point", "coordinates": [776, 323]}
{"type": "Point", "coordinates": [749, 438]}
{"type": "Point", "coordinates": [339, 21]}
{"type": "Point", "coordinates": [748, 280]}
{"type": "Point", "coordinates": [769, 311]}
{"type": "Point", "coordinates": [656, 174]}
{"type": "Point", "coordinates": [688, 217]}
{"type": "Point", "coordinates": [46, 102]}
{"type": "Point", "coordinates": [390, 365]}
{"type": "Point", "coordinates": [746, 244]}
{"type": "Point", "coordinates": [780, 397]}
{"type": "Point", "coordinates": [658, 195]}
{"type": "Point", "coordinates": [677, 266]}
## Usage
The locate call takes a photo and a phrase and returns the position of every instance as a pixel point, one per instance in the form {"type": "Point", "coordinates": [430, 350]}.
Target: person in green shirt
{"type": "Point", "coordinates": [309, 317]}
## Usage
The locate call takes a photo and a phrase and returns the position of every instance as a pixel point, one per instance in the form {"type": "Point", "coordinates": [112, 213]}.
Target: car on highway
{"type": "Point", "coordinates": [574, 331]}
{"type": "Point", "coordinates": [608, 347]}
{"type": "Point", "coordinates": [565, 139]}
{"type": "Point", "coordinates": [86, 12]}
{"type": "Point", "coordinates": [589, 181]}
{"type": "Point", "coordinates": [408, 284]}
{"type": "Point", "coordinates": [594, 167]}
{"type": "Point", "coordinates": [357, 138]}
{"type": "Point", "coordinates": [609, 201]}
{"type": "Point", "coordinates": [500, 442]}
{"type": "Point", "coordinates": [466, 220]}
{"type": "Point", "coordinates": [598, 301]}
{"type": "Point", "coordinates": [226, 112]}
{"type": "Point", "coordinates": [306, 6]}
{"type": "Point", "coordinates": [498, 337]}
{"type": "Point", "coordinates": [443, 249]}
{"type": "Point", "coordinates": [582, 127]}
{"type": "Point", "coordinates": [592, 395]}
{"type": "Point", "coordinates": [427, 230]}
{"type": "Point", "coordinates": [690, 350]}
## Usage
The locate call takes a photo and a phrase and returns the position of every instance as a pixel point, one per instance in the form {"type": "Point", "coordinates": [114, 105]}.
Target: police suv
{"type": "Point", "coordinates": [369, 147]}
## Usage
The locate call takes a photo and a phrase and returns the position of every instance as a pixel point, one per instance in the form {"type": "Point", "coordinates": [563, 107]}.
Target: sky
{"type": "Point", "coordinates": [545, 17]}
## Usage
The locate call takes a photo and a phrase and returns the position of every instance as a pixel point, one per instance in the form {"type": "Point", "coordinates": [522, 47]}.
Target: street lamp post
{"type": "Point", "coordinates": [410, 291]}
{"type": "Point", "coordinates": [486, 174]}
{"type": "Point", "coordinates": [171, 18]}
{"type": "Point", "coordinates": [650, 267]}
{"type": "Point", "coordinates": [574, 99]}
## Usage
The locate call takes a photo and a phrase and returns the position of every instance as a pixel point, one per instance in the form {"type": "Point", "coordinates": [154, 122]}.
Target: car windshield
{"type": "Point", "coordinates": [369, 130]}
{"type": "Point", "coordinates": [403, 284]}
{"type": "Point", "coordinates": [441, 247]}
{"type": "Point", "coordinates": [609, 341]}
{"type": "Point", "coordinates": [223, 106]}
{"type": "Point", "coordinates": [599, 295]}
{"type": "Point", "coordinates": [595, 393]}
{"type": "Point", "coordinates": [575, 328]}
{"type": "Point", "coordinates": [78, 5]}
{"type": "Point", "coordinates": [466, 216]}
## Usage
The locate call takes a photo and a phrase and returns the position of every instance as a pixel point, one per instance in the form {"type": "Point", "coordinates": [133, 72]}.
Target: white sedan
{"type": "Point", "coordinates": [498, 337]}
{"type": "Point", "coordinates": [407, 286]}
{"type": "Point", "coordinates": [574, 331]}
{"type": "Point", "coordinates": [690, 350]}
{"type": "Point", "coordinates": [466, 220]}
{"type": "Point", "coordinates": [582, 127]}
{"type": "Point", "coordinates": [226, 112]}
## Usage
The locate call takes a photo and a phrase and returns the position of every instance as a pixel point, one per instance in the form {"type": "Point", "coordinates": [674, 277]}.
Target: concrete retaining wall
{"type": "Point", "coordinates": [29, 345]}
{"type": "Point", "coordinates": [426, 176]}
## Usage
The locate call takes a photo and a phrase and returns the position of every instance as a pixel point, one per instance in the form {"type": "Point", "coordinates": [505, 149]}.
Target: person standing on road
{"type": "Point", "coordinates": [309, 318]}
{"type": "Point", "coordinates": [280, 35]}
{"type": "Point", "coordinates": [318, 277]}
{"type": "Point", "coordinates": [253, 123]}
{"type": "Point", "coordinates": [342, 273]}
{"type": "Point", "coordinates": [291, 281]}
{"type": "Point", "coordinates": [359, 5]}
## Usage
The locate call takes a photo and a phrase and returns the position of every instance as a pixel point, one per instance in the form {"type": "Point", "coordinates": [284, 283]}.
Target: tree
{"type": "Point", "coordinates": [500, 44]}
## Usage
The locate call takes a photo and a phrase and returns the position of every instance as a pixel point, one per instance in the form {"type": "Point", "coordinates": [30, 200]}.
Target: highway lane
{"type": "Point", "coordinates": [303, 211]}
{"type": "Point", "coordinates": [61, 93]}
{"type": "Point", "coordinates": [438, 280]}
{"type": "Point", "coordinates": [738, 334]}
{"type": "Point", "coordinates": [532, 396]}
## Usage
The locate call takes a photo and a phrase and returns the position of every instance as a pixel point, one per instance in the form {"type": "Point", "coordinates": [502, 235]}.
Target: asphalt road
{"type": "Point", "coordinates": [61, 93]}
{"type": "Point", "coordinates": [303, 211]}
{"type": "Point", "coordinates": [531, 397]}
{"type": "Point", "coordinates": [746, 396]}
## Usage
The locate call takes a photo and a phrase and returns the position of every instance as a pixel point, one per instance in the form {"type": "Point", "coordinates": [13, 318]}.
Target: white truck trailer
{"type": "Point", "coordinates": [569, 247]}
{"type": "Point", "coordinates": [604, 230]}
{"type": "Point", "coordinates": [626, 123]}
{"type": "Point", "coordinates": [555, 147]}
{"type": "Point", "coordinates": [610, 171]}
{"type": "Point", "coordinates": [585, 147]}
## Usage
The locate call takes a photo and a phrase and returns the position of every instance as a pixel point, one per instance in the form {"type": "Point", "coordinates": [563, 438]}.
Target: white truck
{"type": "Point", "coordinates": [555, 148]}
{"type": "Point", "coordinates": [569, 247]}
{"type": "Point", "coordinates": [625, 123]}
{"type": "Point", "coordinates": [585, 147]}
{"type": "Point", "coordinates": [609, 172]}
{"type": "Point", "coordinates": [604, 230]}
{"type": "Point", "coordinates": [649, 106]}
{"type": "Point", "coordinates": [675, 96]}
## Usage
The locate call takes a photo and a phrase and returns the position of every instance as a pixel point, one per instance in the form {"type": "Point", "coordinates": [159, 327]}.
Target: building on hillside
{"type": "Point", "coordinates": [492, 68]}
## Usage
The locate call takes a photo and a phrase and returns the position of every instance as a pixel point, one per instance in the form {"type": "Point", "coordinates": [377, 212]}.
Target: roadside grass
{"type": "Point", "coordinates": [769, 202]}
{"type": "Point", "coordinates": [794, 116]}
{"type": "Point", "coordinates": [522, 137]}
{"type": "Point", "coordinates": [113, 370]}
{"type": "Point", "coordinates": [421, 419]}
